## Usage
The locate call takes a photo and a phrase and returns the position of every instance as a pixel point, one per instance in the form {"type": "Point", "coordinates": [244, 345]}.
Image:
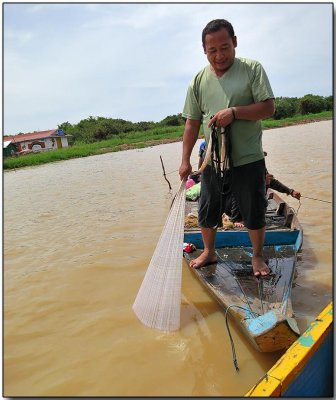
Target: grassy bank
{"type": "Point", "coordinates": [136, 140]}
{"type": "Point", "coordinates": [296, 120]}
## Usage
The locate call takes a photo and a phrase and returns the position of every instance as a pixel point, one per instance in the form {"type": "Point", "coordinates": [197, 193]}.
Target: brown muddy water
{"type": "Point", "coordinates": [78, 238]}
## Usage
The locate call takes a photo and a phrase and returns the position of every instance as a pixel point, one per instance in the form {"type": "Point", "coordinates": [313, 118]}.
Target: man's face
{"type": "Point", "coordinates": [219, 48]}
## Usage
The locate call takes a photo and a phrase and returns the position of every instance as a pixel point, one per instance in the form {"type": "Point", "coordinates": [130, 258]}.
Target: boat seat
{"type": "Point", "coordinates": [280, 209]}
{"type": "Point", "coordinates": [289, 219]}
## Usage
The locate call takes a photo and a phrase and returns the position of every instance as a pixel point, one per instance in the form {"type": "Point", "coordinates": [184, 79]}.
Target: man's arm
{"type": "Point", "coordinates": [252, 112]}
{"type": "Point", "coordinates": [190, 136]}
{"type": "Point", "coordinates": [280, 187]}
{"type": "Point", "coordinates": [256, 111]}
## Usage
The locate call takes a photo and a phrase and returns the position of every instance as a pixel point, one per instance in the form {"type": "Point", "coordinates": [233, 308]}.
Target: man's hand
{"type": "Point", "coordinates": [222, 118]}
{"type": "Point", "coordinates": [269, 177]}
{"type": "Point", "coordinates": [185, 170]}
{"type": "Point", "coordinates": [296, 195]}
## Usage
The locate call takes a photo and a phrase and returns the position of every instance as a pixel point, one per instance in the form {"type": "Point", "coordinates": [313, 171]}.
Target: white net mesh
{"type": "Point", "coordinates": [158, 301]}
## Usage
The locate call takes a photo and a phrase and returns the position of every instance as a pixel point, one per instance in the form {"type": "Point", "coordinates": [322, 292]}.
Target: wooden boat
{"type": "Point", "coordinates": [261, 306]}
{"type": "Point", "coordinates": [306, 369]}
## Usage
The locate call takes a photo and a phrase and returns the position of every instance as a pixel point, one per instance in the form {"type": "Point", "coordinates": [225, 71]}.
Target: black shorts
{"type": "Point", "coordinates": [215, 198]}
{"type": "Point", "coordinates": [248, 188]}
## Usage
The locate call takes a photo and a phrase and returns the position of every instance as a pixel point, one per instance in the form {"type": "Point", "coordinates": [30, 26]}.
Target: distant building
{"type": "Point", "coordinates": [9, 148]}
{"type": "Point", "coordinates": [38, 141]}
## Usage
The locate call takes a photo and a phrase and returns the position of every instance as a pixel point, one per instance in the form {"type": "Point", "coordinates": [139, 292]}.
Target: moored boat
{"type": "Point", "coordinates": [261, 306]}
{"type": "Point", "coordinates": [306, 368]}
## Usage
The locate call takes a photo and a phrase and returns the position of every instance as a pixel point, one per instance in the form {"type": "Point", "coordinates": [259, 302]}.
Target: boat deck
{"type": "Point", "coordinates": [231, 280]}
{"type": "Point", "coordinates": [261, 305]}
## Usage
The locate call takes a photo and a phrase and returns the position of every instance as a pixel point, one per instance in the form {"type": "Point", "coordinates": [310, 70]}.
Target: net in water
{"type": "Point", "coordinates": [158, 301]}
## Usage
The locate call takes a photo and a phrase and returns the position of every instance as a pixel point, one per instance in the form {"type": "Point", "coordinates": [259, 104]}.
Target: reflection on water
{"type": "Point", "coordinates": [78, 237]}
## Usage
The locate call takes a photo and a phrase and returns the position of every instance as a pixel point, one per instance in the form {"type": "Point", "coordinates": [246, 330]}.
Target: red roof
{"type": "Point", "coordinates": [32, 136]}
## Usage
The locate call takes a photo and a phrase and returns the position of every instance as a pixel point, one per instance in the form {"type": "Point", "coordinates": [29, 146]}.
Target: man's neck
{"type": "Point", "coordinates": [220, 73]}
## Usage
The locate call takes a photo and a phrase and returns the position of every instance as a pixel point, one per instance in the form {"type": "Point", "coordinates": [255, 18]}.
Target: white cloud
{"type": "Point", "coordinates": [64, 62]}
{"type": "Point", "coordinates": [18, 37]}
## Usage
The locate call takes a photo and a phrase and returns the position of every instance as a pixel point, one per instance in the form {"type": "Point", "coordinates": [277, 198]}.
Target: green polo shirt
{"type": "Point", "coordinates": [244, 83]}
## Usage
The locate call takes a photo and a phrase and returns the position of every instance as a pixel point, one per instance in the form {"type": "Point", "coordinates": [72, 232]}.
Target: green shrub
{"type": "Point", "coordinates": [173, 120]}
{"type": "Point", "coordinates": [310, 104]}
{"type": "Point", "coordinates": [285, 107]}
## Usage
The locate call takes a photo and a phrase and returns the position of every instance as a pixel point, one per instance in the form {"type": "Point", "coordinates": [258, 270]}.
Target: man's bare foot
{"type": "Point", "coordinates": [203, 260]}
{"type": "Point", "coordinates": [239, 224]}
{"type": "Point", "coordinates": [260, 268]}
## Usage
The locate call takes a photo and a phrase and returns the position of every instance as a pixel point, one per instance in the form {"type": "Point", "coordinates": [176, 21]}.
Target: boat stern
{"type": "Point", "coordinates": [271, 331]}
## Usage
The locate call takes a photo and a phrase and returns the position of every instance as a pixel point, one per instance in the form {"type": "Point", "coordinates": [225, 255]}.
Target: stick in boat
{"type": "Point", "coordinates": [164, 173]}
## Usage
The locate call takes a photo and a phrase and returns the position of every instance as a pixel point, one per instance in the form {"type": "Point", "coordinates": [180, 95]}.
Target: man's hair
{"type": "Point", "coordinates": [216, 25]}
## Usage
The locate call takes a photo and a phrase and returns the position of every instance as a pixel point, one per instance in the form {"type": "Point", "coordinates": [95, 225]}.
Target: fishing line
{"type": "Point", "coordinates": [312, 198]}
{"type": "Point", "coordinates": [221, 163]}
{"type": "Point", "coordinates": [234, 355]}
{"type": "Point", "coordinates": [229, 270]}
{"type": "Point", "coordinates": [297, 211]}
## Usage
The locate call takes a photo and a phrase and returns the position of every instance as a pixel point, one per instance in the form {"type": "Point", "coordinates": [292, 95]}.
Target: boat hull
{"type": "Point", "coordinates": [241, 238]}
{"type": "Point", "coordinates": [271, 331]}
{"type": "Point", "coordinates": [261, 306]}
{"type": "Point", "coordinates": [306, 369]}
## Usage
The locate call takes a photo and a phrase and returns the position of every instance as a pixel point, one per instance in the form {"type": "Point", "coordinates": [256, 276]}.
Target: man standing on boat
{"type": "Point", "coordinates": [230, 91]}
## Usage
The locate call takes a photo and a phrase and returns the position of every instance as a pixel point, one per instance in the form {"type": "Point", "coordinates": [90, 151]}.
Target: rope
{"type": "Point", "coordinates": [312, 198]}
{"type": "Point", "coordinates": [220, 162]}
{"type": "Point", "coordinates": [261, 379]}
{"type": "Point", "coordinates": [238, 283]}
{"type": "Point", "coordinates": [234, 356]}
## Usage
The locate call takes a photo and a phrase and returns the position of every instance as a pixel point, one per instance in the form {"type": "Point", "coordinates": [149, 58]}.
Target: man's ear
{"type": "Point", "coordinates": [234, 40]}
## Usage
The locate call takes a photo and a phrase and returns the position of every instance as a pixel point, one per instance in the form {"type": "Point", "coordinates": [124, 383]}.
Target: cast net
{"type": "Point", "coordinates": [158, 301]}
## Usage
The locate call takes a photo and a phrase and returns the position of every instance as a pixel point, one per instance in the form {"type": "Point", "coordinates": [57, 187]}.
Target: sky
{"type": "Point", "coordinates": [67, 62]}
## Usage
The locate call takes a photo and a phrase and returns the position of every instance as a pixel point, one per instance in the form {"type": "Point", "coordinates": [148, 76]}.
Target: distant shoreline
{"type": "Point", "coordinates": [173, 140]}
{"type": "Point", "coordinates": [132, 141]}
{"type": "Point", "coordinates": [150, 143]}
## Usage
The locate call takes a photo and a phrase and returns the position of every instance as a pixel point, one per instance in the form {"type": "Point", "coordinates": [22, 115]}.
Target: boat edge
{"type": "Point", "coordinates": [285, 370]}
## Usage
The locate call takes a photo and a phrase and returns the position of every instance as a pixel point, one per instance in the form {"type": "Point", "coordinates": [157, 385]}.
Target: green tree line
{"type": "Point", "coordinates": [94, 129]}
{"type": "Point", "coordinates": [309, 104]}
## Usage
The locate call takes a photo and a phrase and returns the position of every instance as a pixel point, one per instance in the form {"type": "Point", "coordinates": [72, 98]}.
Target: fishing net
{"type": "Point", "coordinates": [158, 301]}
